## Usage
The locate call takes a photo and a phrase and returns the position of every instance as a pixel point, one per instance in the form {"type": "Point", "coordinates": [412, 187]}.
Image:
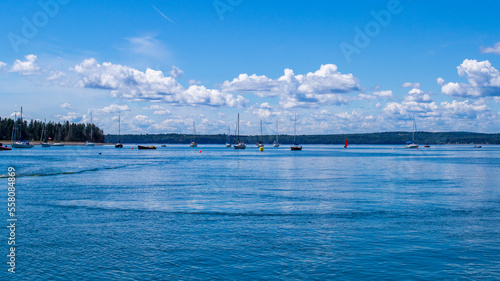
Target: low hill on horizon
{"type": "Point", "coordinates": [364, 138]}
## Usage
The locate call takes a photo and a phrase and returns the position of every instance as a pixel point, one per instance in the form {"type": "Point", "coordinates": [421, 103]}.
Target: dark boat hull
{"type": "Point", "coordinates": [146, 147]}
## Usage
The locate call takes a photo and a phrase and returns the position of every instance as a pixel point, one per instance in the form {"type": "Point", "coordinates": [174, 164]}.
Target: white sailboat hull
{"type": "Point", "coordinates": [240, 146]}
{"type": "Point", "coordinates": [89, 143]}
{"type": "Point", "coordinates": [22, 145]}
{"type": "Point", "coordinates": [413, 145]}
{"type": "Point", "coordinates": [58, 144]}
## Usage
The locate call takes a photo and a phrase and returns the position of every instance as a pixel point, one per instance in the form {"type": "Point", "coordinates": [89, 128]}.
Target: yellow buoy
{"type": "Point", "coordinates": [261, 148]}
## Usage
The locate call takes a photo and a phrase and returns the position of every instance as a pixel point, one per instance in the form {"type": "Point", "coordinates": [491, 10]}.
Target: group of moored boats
{"type": "Point", "coordinates": [18, 142]}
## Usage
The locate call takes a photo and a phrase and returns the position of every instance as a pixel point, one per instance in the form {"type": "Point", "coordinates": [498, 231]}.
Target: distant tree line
{"type": "Point", "coordinates": [370, 138]}
{"type": "Point", "coordinates": [32, 130]}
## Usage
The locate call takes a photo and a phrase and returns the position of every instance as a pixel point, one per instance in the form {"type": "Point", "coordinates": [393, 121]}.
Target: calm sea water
{"type": "Point", "coordinates": [363, 213]}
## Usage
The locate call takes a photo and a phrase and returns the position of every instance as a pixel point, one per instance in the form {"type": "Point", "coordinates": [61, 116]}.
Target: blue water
{"type": "Point", "coordinates": [363, 213]}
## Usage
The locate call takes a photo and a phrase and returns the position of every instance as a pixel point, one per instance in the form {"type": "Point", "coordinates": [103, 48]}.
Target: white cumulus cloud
{"type": "Point", "coordinates": [325, 86]}
{"type": "Point", "coordinates": [411, 85]}
{"type": "Point", "coordinates": [151, 85]}
{"type": "Point", "coordinates": [112, 109]}
{"type": "Point", "coordinates": [483, 78]}
{"type": "Point", "coordinates": [142, 121]}
{"type": "Point", "coordinates": [495, 49]}
{"type": "Point", "coordinates": [383, 94]}
{"type": "Point", "coordinates": [176, 72]}
{"type": "Point", "coordinates": [26, 67]}
{"type": "Point", "coordinates": [65, 105]}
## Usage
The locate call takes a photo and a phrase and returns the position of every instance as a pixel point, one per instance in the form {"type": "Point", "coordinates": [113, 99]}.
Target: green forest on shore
{"type": "Point", "coordinates": [32, 130]}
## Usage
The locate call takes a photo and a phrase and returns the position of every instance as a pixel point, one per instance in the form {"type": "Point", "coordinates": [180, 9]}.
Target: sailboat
{"type": "Point", "coordinates": [412, 144]}
{"type": "Point", "coordinates": [58, 143]}
{"type": "Point", "coordinates": [240, 145]}
{"type": "Point", "coordinates": [295, 145]}
{"type": "Point", "coordinates": [91, 142]}
{"type": "Point", "coordinates": [228, 141]}
{"type": "Point", "coordinates": [43, 137]}
{"type": "Point", "coordinates": [193, 143]}
{"type": "Point", "coordinates": [259, 143]}
{"type": "Point", "coordinates": [346, 144]}
{"type": "Point", "coordinates": [119, 143]}
{"type": "Point", "coordinates": [19, 143]}
{"type": "Point", "coordinates": [276, 142]}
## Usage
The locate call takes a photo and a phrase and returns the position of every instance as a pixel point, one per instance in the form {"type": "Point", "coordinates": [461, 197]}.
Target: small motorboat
{"type": "Point", "coordinates": [4, 147]}
{"type": "Point", "coordinates": [119, 144]}
{"type": "Point", "coordinates": [427, 145]}
{"type": "Point", "coordinates": [193, 144]}
{"type": "Point", "coordinates": [477, 146]}
{"type": "Point", "coordinates": [146, 147]}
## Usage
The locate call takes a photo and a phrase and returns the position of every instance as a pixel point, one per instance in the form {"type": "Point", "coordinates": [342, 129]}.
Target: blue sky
{"type": "Point", "coordinates": [343, 67]}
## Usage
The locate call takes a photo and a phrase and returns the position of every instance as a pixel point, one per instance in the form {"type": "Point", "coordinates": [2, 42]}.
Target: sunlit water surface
{"type": "Point", "coordinates": [366, 212]}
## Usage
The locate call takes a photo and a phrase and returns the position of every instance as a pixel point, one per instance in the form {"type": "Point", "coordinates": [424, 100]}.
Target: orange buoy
{"type": "Point", "coordinates": [200, 151]}
{"type": "Point", "coordinates": [131, 148]}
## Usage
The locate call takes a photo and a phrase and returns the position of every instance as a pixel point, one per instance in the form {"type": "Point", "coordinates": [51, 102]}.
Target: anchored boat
{"type": "Point", "coordinates": [295, 145]}
{"type": "Point", "coordinates": [239, 145]}
{"type": "Point", "coordinates": [17, 141]}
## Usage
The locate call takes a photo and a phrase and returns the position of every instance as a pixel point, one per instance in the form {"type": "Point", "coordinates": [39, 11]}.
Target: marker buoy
{"type": "Point", "coordinates": [261, 148]}
{"type": "Point", "coordinates": [131, 148]}
{"type": "Point", "coordinates": [200, 151]}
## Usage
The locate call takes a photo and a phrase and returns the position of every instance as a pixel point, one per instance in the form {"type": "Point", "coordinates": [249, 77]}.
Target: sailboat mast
{"type": "Point", "coordinates": [14, 128]}
{"type": "Point", "coordinates": [261, 130]}
{"type": "Point", "coordinates": [413, 135]}
{"type": "Point", "coordinates": [91, 129]}
{"type": "Point", "coordinates": [21, 125]}
{"type": "Point", "coordinates": [295, 128]}
{"type": "Point", "coordinates": [238, 128]}
{"type": "Point", "coordinates": [277, 134]}
{"type": "Point", "coordinates": [43, 130]}
{"type": "Point", "coordinates": [119, 126]}
{"type": "Point", "coordinates": [194, 131]}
